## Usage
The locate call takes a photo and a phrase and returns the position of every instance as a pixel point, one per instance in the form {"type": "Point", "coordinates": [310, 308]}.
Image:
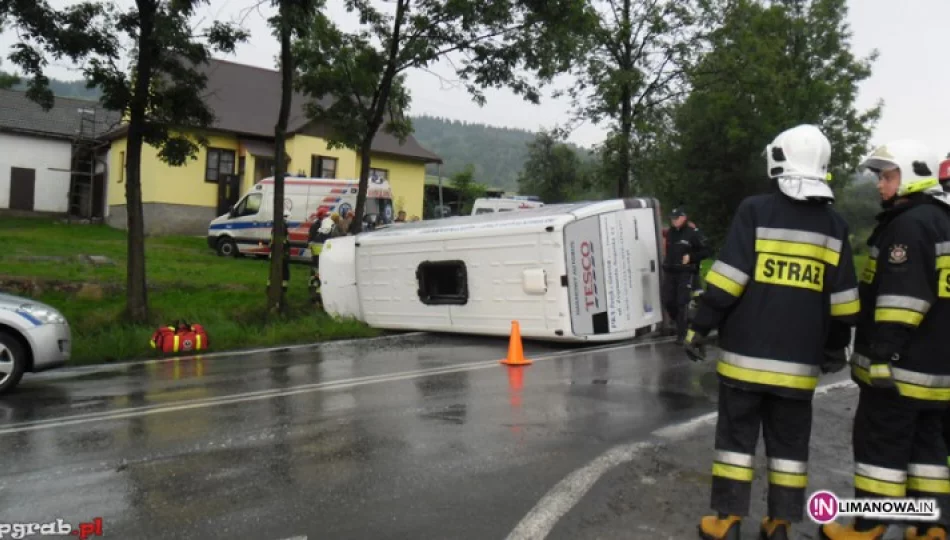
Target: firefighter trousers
{"type": "Point", "coordinates": [786, 428]}
{"type": "Point", "coordinates": [899, 450]}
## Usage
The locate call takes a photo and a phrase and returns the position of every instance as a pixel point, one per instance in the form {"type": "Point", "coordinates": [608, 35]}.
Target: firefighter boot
{"type": "Point", "coordinates": [720, 528]}
{"type": "Point", "coordinates": [836, 531]}
{"type": "Point", "coordinates": [775, 529]}
{"type": "Point", "coordinates": [933, 533]}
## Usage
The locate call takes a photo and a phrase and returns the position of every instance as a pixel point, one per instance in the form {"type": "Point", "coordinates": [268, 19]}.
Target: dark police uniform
{"type": "Point", "coordinates": [679, 279]}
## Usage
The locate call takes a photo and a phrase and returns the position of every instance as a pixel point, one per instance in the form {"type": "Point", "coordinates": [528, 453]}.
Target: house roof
{"type": "Point", "coordinates": [245, 100]}
{"type": "Point", "coordinates": [64, 121]}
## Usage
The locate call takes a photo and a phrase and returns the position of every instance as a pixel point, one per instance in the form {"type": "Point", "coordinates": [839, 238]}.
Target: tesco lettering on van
{"type": "Point", "coordinates": [590, 275]}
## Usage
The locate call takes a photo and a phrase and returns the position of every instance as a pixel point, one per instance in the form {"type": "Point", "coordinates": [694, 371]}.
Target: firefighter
{"type": "Point", "coordinates": [783, 297]}
{"type": "Point", "coordinates": [900, 352]}
{"type": "Point", "coordinates": [329, 227]}
{"type": "Point", "coordinates": [316, 239]}
{"type": "Point", "coordinates": [685, 249]}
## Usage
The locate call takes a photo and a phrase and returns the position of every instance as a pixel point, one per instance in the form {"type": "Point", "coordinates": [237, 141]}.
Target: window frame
{"type": "Point", "coordinates": [218, 153]}
{"type": "Point", "coordinates": [425, 293]}
{"type": "Point", "coordinates": [317, 166]}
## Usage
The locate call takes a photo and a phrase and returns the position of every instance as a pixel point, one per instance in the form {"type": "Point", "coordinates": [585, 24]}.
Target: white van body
{"type": "Point", "coordinates": [490, 205]}
{"type": "Point", "coordinates": [247, 228]}
{"type": "Point", "coordinates": [566, 272]}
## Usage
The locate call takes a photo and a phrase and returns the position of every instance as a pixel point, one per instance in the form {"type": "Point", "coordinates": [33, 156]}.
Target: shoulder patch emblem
{"type": "Point", "coordinates": [898, 254]}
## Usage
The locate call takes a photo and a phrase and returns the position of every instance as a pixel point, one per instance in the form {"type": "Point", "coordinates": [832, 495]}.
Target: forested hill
{"type": "Point", "coordinates": [496, 153]}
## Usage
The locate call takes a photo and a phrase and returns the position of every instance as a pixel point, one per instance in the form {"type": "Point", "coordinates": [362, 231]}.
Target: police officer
{"type": "Point", "coordinates": [783, 296]}
{"type": "Point", "coordinates": [685, 249]}
{"type": "Point", "coordinates": [901, 353]}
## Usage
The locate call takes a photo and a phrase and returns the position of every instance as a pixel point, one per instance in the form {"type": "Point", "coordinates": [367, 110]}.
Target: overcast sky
{"type": "Point", "coordinates": [910, 83]}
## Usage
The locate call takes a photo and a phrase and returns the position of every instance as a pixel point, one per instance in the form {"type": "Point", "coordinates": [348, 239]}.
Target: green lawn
{"type": "Point", "coordinates": [186, 281]}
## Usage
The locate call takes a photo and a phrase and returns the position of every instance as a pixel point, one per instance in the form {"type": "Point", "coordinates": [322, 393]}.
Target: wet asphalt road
{"type": "Point", "coordinates": [415, 437]}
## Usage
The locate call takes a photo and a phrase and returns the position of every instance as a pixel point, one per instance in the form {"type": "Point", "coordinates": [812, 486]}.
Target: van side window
{"type": "Point", "coordinates": [250, 205]}
{"type": "Point", "coordinates": [484, 211]}
{"type": "Point", "coordinates": [443, 283]}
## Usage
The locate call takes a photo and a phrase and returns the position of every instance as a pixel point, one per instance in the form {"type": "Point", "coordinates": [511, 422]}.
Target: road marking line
{"type": "Point", "coordinates": [557, 502]}
{"type": "Point", "coordinates": [284, 392]}
{"type": "Point", "coordinates": [69, 371]}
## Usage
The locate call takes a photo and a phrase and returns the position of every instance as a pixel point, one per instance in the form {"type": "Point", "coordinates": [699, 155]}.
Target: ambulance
{"type": "Point", "coordinates": [582, 272]}
{"type": "Point", "coordinates": [246, 229]}
{"type": "Point", "coordinates": [489, 205]}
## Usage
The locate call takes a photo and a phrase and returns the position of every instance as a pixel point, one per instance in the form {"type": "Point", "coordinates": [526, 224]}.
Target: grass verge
{"type": "Point", "coordinates": [45, 259]}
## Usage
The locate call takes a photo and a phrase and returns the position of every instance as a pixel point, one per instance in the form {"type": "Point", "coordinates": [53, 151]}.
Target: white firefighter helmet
{"type": "Point", "coordinates": [919, 165]}
{"type": "Point", "coordinates": [798, 159]}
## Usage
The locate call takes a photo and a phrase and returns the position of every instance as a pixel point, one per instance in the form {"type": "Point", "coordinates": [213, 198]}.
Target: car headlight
{"type": "Point", "coordinates": [43, 314]}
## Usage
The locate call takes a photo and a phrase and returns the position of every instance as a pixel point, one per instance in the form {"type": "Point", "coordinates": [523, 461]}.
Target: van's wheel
{"type": "Point", "coordinates": [227, 247]}
{"type": "Point", "coordinates": [12, 362]}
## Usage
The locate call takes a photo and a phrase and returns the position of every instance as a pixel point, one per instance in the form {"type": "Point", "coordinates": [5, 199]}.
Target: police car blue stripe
{"type": "Point", "coordinates": [30, 318]}
{"type": "Point", "coordinates": [248, 225]}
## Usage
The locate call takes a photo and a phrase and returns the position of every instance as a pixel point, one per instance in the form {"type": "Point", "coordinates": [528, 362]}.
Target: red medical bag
{"type": "Point", "coordinates": [180, 337]}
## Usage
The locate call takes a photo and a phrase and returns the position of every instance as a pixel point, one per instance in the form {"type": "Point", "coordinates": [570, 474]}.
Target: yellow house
{"type": "Point", "coordinates": [240, 151]}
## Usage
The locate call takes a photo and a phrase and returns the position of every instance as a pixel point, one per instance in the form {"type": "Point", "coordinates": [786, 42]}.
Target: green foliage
{"type": "Point", "coordinates": [637, 52]}
{"type": "Point", "coordinates": [8, 81]}
{"type": "Point", "coordinates": [468, 189]}
{"type": "Point", "coordinates": [773, 65]}
{"type": "Point", "coordinates": [555, 172]}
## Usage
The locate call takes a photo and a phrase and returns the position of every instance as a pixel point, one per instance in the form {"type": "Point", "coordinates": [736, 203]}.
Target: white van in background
{"type": "Point", "coordinates": [246, 229]}
{"type": "Point", "coordinates": [489, 205]}
{"type": "Point", "coordinates": [565, 272]}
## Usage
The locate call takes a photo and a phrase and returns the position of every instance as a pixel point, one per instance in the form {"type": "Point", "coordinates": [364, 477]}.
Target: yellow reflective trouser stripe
{"type": "Point", "coordinates": [897, 315]}
{"type": "Point", "coordinates": [732, 472]}
{"type": "Point", "coordinates": [880, 370]}
{"type": "Point", "coordinates": [801, 382]}
{"type": "Point", "coordinates": [788, 479]}
{"type": "Point", "coordinates": [848, 308]}
{"type": "Point", "coordinates": [879, 487]}
{"type": "Point", "coordinates": [724, 283]}
{"type": "Point", "coordinates": [929, 485]}
{"type": "Point", "coordinates": [801, 249]}
{"type": "Point", "coordinates": [906, 389]}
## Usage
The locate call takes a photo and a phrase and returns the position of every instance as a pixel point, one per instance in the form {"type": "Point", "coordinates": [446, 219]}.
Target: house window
{"type": "Point", "coordinates": [122, 167]}
{"type": "Point", "coordinates": [378, 174]}
{"type": "Point", "coordinates": [220, 162]}
{"type": "Point", "coordinates": [322, 167]}
{"type": "Point", "coordinates": [443, 283]}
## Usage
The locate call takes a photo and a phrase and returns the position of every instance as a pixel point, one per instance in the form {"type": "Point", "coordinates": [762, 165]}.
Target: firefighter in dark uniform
{"type": "Point", "coordinates": [901, 359]}
{"type": "Point", "coordinates": [783, 296]}
{"type": "Point", "coordinates": [685, 249]}
{"type": "Point", "coordinates": [315, 240]}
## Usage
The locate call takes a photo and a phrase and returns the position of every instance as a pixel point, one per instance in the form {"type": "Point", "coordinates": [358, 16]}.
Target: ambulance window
{"type": "Point", "coordinates": [250, 205]}
{"type": "Point", "coordinates": [443, 283]}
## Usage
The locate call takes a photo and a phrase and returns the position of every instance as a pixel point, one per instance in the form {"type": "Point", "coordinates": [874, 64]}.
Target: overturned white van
{"type": "Point", "coordinates": [567, 272]}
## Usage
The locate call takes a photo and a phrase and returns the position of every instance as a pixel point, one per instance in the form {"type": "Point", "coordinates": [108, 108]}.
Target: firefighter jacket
{"type": "Point", "coordinates": [783, 290]}
{"type": "Point", "coordinates": [683, 241]}
{"type": "Point", "coordinates": [905, 299]}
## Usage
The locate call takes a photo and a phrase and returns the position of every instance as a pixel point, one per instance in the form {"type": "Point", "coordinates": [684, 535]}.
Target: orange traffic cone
{"type": "Point", "coordinates": [515, 349]}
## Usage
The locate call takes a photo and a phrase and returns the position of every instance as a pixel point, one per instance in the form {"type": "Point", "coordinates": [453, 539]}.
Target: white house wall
{"type": "Point", "coordinates": [51, 192]}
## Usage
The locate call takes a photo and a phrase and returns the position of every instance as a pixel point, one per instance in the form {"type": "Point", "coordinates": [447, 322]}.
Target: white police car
{"type": "Point", "coordinates": [33, 337]}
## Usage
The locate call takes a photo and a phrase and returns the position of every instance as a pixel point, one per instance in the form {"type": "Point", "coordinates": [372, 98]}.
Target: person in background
{"type": "Point", "coordinates": [685, 249]}
{"type": "Point", "coordinates": [401, 217]}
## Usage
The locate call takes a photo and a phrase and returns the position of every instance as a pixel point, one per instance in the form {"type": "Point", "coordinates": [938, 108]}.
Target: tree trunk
{"type": "Point", "coordinates": [379, 110]}
{"type": "Point", "coordinates": [275, 293]}
{"type": "Point", "coordinates": [135, 289]}
{"type": "Point", "coordinates": [626, 109]}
